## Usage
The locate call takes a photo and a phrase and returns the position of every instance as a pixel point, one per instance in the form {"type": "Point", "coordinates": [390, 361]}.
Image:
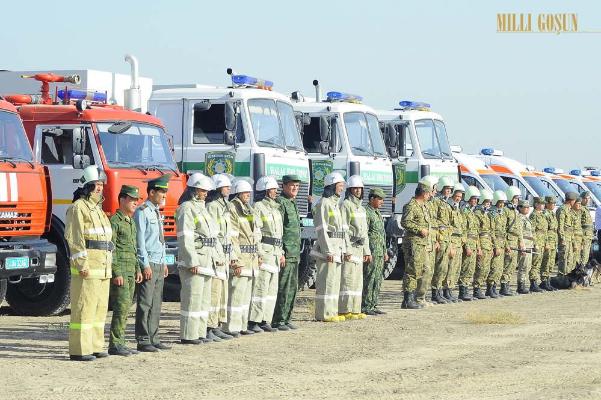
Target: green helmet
{"type": "Point", "coordinates": [426, 183]}
{"type": "Point", "coordinates": [458, 188]}
{"type": "Point", "coordinates": [512, 191]}
{"type": "Point", "coordinates": [472, 191]}
{"type": "Point", "coordinates": [498, 196]}
{"type": "Point", "coordinates": [445, 181]}
{"type": "Point", "coordinates": [485, 194]}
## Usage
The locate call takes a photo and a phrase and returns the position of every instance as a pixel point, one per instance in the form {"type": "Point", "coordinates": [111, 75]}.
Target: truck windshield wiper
{"type": "Point", "coordinates": [11, 160]}
{"type": "Point", "coordinates": [272, 144]}
{"type": "Point", "coordinates": [427, 153]}
{"type": "Point", "coordinates": [362, 149]}
{"type": "Point", "coordinates": [141, 169]}
{"type": "Point", "coordinates": [160, 167]}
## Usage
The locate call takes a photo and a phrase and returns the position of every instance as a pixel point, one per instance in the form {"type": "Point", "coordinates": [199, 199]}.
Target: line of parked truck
{"type": "Point", "coordinates": [136, 131]}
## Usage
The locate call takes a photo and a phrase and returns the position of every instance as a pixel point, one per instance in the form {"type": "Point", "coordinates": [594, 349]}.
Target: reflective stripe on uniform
{"type": "Point", "coordinates": [79, 255]}
{"type": "Point", "coordinates": [263, 299]}
{"type": "Point", "coordinates": [351, 293]}
{"type": "Point", "coordinates": [269, 268]}
{"type": "Point", "coordinates": [194, 314]}
{"type": "Point", "coordinates": [327, 296]}
{"type": "Point", "coordinates": [185, 233]}
{"type": "Point", "coordinates": [221, 275]}
{"type": "Point", "coordinates": [100, 231]}
{"type": "Point", "coordinates": [92, 273]}
{"type": "Point", "coordinates": [78, 326]}
{"type": "Point", "coordinates": [239, 309]}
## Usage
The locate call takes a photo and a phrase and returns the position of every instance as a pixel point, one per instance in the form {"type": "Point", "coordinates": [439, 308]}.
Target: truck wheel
{"type": "Point", "coordinates": [307, 270]}
{"type": "Point", "coordinates": [171, 288]}
{"type": "Point", "coordinates": [393, 269]}
{"type": "Point", "coordinates": [29, 297]}
{"type": "Point", "coordinates": [2, 290]}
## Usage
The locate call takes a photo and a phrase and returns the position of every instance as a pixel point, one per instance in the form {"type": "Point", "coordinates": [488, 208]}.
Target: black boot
{"type": "Point", "coordinates": [522, 288]}
{"type": "Point", "coordinates": [453, 297]}
{"type": "Point", "coordinates": [505, 291]}
{"type": "Point", "coordinates": [492, 291]}
{"type": "Point", "coordinates": [545, 286]}
{"type": "Point", "coordinates": [408, 302]}
{"type": "Point", "coordinates": [441, 296]}
{"type": "Point", "coordinates": [419, 305]}
{"type": "Point", "coordinates": [553, 288]}
{"type": "Point", "coordinates": [437, 298]}
{"type": "Point", "coordinates": [488, 292]}
{"type": "Point", "coordinates": [464, 293]}
{"type": "Point", "coordinates": [534, 287]}
{"type": "Point", "coordinates": [446, 293]}
{"type": "Point", "coordinates": [478, 294]}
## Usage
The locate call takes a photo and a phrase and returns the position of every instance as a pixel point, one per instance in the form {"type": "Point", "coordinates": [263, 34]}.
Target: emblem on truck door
{"type": "Point", "coordinates": [219, 162]}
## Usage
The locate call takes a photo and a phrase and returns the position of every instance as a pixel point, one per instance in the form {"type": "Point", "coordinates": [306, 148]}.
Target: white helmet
{"type": "Point", "coordinates": [332, 178]}
{"type": "Point", "coordinates": [241, 186]}
{"type": "Point", "coordinates": [221, 180]}
{"type": "Point", "coordinates": [92, 174]}
{"type": "Point", "coordinates": [266, 183]}
{"type": "Point", "coordinates": [458, 188]}
{"type": "Point", "coordinates": [354, 181]}
{"type": "Point", "coordinates": [200, 181]}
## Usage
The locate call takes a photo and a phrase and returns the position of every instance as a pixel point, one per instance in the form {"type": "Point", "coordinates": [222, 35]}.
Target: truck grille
{"type": "Point", "coordinates": [386, 208]}
{"type": "Point", "coordinates": [169, 225]}
{"type": "Point", "coordinates": [12, 220]}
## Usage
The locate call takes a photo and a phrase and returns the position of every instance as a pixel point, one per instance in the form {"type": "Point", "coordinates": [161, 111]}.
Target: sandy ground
{"type": "Point", "coordinates": [550, 350]}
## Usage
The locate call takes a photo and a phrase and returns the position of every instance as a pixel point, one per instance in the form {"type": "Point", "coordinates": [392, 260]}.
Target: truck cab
{"type": "Point", "coordinates": [474, 172]}
{"type": "Point", "coordinates": [342, 134]}
{"type": "Point", "coordinates": [69, 133]}
{"type": "Point", "coordinates": [25, 257]}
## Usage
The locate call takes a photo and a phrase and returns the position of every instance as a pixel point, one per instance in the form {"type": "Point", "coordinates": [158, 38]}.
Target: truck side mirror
{"type": "Point", "coordinates": [202, 106]}
{"type": "Point", "coordinates": [79, 141]}
{"type": "Point", "coordinates": [231, 116]}
{"type": "Point", "coordinates": [299, 118]}
{"type": "Point", "coordinates": [391, 136]}
{"type": "Point", "coordinates": [80, 161]}
{"type": "Point", "coordinates": [333, 138]}
{"type": "Point", "coordinates": [230, 138]}
{"type": "Point", "coordinates": [324, 128]}
{"type": "Point", "coordinates": [402, 141]}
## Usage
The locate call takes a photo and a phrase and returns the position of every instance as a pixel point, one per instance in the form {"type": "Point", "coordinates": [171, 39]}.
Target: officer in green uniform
{"type": "Point", "coordinates": [416, 243]}
{"type": "Point", "coordinates": [525, 256]}
{"type": "Point", "coordinates": [540, 226]}
{"type": "Point", "coordinates": [151, 256]}
{"type": "Point", "coordinates": [291, 242]}
{"type": "Point", "coordinates": [577, 232]}
{"type": "Point", "coordinates": [514, 240]}
{"type": "Point", "coordinates": [442, 223]}
{"type": "Point", "coordinates": [588, 229]}
{"type": "Point", "coordinates": [456, 246]}
{"type": "Point", "coordinates": [565, 230]}
{"type": "Point", "coordinates": [499, 235]}
{"type": "Point", "coordinates": [550, 252]}
{"type": "Point", "coordinates": [373, 271]}
{"type": "Point", "coordinates": [126, 268]}
{"type": "Point", "coordinates": [471, 239]}
{"type": "Point", "coordinates": [486, 229]}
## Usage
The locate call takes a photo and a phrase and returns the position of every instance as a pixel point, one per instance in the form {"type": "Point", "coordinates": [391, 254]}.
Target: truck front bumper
{"type": "Point", "coordinates": [28, 259]}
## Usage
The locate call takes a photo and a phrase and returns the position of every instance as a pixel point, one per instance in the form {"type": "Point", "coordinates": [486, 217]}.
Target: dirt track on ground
{"type": "Point", "coordinates": [551, 350]}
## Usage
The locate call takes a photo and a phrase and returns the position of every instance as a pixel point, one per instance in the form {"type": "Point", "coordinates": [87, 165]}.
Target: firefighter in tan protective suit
{"type": "Point", "coordinates": [198, 252]}
{"type": "Point", "coordinates": [88, 233]}
{"type": "Point", "coordinates": [270, 228]}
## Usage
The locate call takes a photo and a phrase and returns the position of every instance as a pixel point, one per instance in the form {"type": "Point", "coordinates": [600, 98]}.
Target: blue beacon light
{"type": "Point", "coordinates": [75, 94]}
{"type": "Point", "coordinates": [245, 80]}
{"type": "Point", "coordinates": [341, 96]}
{"type": "Point", "coordinates": [414, 104]}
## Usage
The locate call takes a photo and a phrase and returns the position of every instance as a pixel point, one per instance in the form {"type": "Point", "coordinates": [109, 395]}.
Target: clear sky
{"type": "Point", "coordinates": [535, 96]}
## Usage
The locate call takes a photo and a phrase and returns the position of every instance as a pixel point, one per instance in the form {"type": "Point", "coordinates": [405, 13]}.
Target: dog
{"type": "Point", "coordinates": [582, 275]}
{"type": "Point", "coordinates": [596, 273]}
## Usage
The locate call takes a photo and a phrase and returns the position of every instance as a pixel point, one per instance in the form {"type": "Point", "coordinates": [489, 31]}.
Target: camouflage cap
{"type": "Point", "coordinates": [377, 192]}
{"type": "Point", "coordinates": [550, 200]}
{"type": "Point", "coordinates": [130, 191]}
{"type": "Point", "coordinates": [578, 201]}
{"type": "Point", "coordinates": [159, 183]}
{"type": "Point", "coordinates": [571, 196]}
{"type": "Point", "coordinates": [290, 178]}
{"type": "Point", "coordinates": [539, 200]}
{"type": "Point", "coordinates": [584, 194]}
{"type": "Point", "coordinates": [523, 204]}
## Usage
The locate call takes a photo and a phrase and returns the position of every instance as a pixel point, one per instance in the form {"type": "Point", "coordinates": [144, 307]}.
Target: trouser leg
{"type": "Point", "coordinates": [327, 290]}
{"type": "Point", "coordinates": [190, 304]}
{"type": "Point", "coordinates": [468, 269]}
{"type": "Point", "coordinates": [120, 300]}
{"type": "Point", "coordinates": [454, 265]}
{"type": "Point", "coordinates": [237, 310]}
{"type": "Point", "coordinates": [148, 310]}
{"type": "Point", "coordinates": [83, 313]}
{"type": "Point", "coordinates": [217, 286]}
{"type": "Point", "coordinates": [351, 287]}
{"type": "Point", "coordinates": [564, 257]}
{"type": "Point", "coordinates": [259, 296]}
{"type": "Point", "coordinates": [441, 265]}
{"type": "Point", "coordinates": [205, 305]}
{"type": "Point", "coordinates": [483, 268]}
{"type": "Point", "coordinates": [287, 289]}
{"type": "Point", "coordinates": [586, 250]}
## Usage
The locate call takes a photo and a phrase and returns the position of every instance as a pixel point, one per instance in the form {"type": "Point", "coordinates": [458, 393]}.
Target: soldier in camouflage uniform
{"type": "Point", "coordinates": [288, 279]}
{"type": "Point", "coordinates": [514, 240]}
{"type": "Point", "coordinates": [373, 271]}
{"type": "Point", "coordinates": [565, 230]}
{"type": "Point", "coordinates": [486, 228]}
{"type": "Point", "coordinates": [471, 230]}
{"type": "Point", "coordinates": [588, 229]}
{"type": "Point", "coordinates": [442, 223]}
{"type": "Point", "coordinates": [551, 241]}
{"type": "Point", "coordinates": [424, 283]}
{"type": "Point", "coordinates": [525, 257]}
{"type": "Point", "coordinates": [457, 241]}
{"type": "Point", "coordinates": [499, 235]}
{"type": "Point", "coordinates": [540, 227]}
{"type": "Point", "coordinates": [416, 243]}
{"type": "Point", "coordinates": [126, 269]}
{"type": "Point", "coordinates": [577, 233]}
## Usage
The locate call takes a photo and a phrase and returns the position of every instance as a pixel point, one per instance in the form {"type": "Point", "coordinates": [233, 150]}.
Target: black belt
{"type": "Point", "coordinates": [336, 235]}
{"type": "Point", "coordinates": [272, 241]}
{"type": "Point", "coordinates": [208, 242]}
{"type": "Point", "coordinates": [456, 234]}
{"type": "Point", "coordinates": [227, 248]}
{"type": "Point", "coordinates": [99, 245]}
{"type": "Point", "coordinates": [250, 248]}
{"type": "Point", "coordinates": [357, 241]}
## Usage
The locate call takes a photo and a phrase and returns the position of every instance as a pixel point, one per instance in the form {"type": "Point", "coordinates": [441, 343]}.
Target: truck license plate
{"type": "Point", "coordinates": [169, 259]}
{"type": "Point", "coordinates": [16, 263]}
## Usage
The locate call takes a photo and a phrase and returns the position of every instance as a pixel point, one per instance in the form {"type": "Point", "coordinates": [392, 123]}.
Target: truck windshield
{"type": "Point", "coordinates": [595, 190]}
{"type": "Point", "coordinates": [432, 138]}
{"type": "Point", "coordinates": [564, 185]}
{"type": "Point", "coordinates": [274, 124]}
{"type": "Point", "coordinates": [141, 146]}
{"type": "Point", "coordinates": [13, 140]}
{"type": "Point", "coordinates": [494, 181]}
{"type": "Point", "coordinates": [364, 135]}
{"type": "Point", "coordinates": [539, 187]}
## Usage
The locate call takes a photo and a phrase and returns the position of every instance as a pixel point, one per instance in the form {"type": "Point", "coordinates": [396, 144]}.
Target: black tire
{"type": "Point", "coordinates": [2, 290]}
{"type": "Point", "coordinates": [307, 270]}
{"type": "Point", "coordinates": [171, 288]}
{"type": "Point", "coordinates": [29, 297]}
{"type": "Point", "coordinates": [393, 268]}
